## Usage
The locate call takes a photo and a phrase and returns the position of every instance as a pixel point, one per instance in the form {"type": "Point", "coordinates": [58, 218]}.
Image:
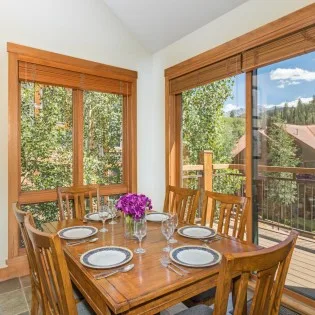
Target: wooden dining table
{"type": "Point", "coordinates": [149, 287]}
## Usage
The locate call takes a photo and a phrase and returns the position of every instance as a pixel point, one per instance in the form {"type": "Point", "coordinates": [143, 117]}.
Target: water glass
{"type": "Point", "coordinates": [103, 214]}
{"type": "Point", "coordinates": [167, 229]}
{"type": "Point", "coordinates": [174, 218]}
{"type": "Point", "coordinates": [140, 231]}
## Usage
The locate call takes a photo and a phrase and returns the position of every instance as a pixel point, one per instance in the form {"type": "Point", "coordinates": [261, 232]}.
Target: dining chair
{"type": "Point", "coordinates": [270, 266]}
{"type": "Point", "coordinates": [183, 201]}
{"type": "Point", "coordinates": [77, 208]}
{"type": "Point", "coordinates": [54, 274]}
{"type": "Point", "coordinates": [232, 215]}
{"type": "Point", "coordinates": [38, 298]}
{"type": "Point", "coordinates": [230, 210]}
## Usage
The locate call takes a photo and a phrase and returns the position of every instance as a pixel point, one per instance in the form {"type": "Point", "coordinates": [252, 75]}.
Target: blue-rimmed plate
{"type": "Point", "coordinates": [77, 232]}
{"type": "Point", "coordinates": [195, 231]}
{"type": "Point", "coordinates": [156, 216]}
{"type": "Point", "coordinates": [195, 256]}
{"type": "Point", "coordinates": [94, 216]}
{"type": "Point", "coordinates": [106, 257]}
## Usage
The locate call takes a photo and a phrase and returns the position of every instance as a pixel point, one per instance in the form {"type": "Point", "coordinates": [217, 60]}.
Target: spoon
{"type": "Point", "coordinates": [106, 274]}
{"type": "Point", "coordinates": [84, 241]}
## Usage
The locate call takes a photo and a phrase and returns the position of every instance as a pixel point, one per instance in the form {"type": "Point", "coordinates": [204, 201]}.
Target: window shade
{"type": "Point", "coordinates": [54, 76]}
{"type": "Point", "coordinates": [217, 71]}
{"type": "Point", "coordinates": [280, 49]}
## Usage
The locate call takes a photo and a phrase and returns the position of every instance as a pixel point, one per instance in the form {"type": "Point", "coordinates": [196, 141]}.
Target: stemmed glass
{"type": "Point", "coordinates": [103, 214]}
{"type": "Point", "coordinates": [112, 211]}
{"type": "Point", "coordinates": [167, 229]}
{"type": "Point", "coordinates": [140, 231]}
{"type": "Point", "coordinates": [174, 218]}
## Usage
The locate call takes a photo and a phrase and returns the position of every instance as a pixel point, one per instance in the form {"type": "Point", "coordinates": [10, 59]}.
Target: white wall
{"type": "Point", "coordinates": [87, 29]}
{"type": "Point", "coordinates": [241, 20]}
{"type": "Point", "coordinates": [79, 28]}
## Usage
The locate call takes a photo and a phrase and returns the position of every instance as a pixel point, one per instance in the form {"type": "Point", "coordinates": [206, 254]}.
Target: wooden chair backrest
{"type": "Point", "coordinates": [271, 266]}
{"type": "Point", "coordinates": [230, 207]}
{"type": "Point", "coordinates": [78, 195]}
{"type": "Point", "coordinates": [183, 201]}
{"type": "Point", "coordinates": [53, 271]}
{"type": "Point", "coordinates": [34, 274]}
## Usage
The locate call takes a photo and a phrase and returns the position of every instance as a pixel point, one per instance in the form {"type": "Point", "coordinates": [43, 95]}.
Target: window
{"type": "Point", "coordinates": [72, 122]}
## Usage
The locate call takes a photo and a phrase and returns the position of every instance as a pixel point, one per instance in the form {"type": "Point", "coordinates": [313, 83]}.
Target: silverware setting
{"type": "Point", "coordinates": [106, 274]}
{"type": "Point", "coordinates": [211, 240]}
{"type": "Point", "coordinates": [73, 243]}
{"type": "Point", "coordinates": [180, 268]}
{"type": "Point", "coordinates": [168, 265]}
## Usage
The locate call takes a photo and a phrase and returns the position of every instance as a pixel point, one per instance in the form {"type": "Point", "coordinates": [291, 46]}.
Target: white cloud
{"type": "Point", "coordinates": [291, 76]}
{"type": "Point", "coordinates": [290, 104]}
{"type": "Point", "coordinates": [230, 107]}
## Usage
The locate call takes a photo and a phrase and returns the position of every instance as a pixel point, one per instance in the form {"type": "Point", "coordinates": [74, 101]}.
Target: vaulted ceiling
{"type": "Point", "coordinates": [158, 23]}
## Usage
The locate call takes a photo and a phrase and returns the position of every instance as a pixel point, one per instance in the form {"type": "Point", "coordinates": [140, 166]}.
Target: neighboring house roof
{"type": "Point", "coordinates": [305, 134]}
{"type": "Point", "coordinates": [302, 133]}
{"type": "Point", "coordinates": [241, 143]}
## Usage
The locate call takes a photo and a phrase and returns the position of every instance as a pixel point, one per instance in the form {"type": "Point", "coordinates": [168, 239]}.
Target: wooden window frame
{"type": "Point", "coordinates": [104, 73]}
{"type": "Point", "coordinates": [246, 45]}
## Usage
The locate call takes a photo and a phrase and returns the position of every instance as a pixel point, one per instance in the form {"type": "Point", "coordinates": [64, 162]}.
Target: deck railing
{"type": "Point", "coordinates": [285, 196]}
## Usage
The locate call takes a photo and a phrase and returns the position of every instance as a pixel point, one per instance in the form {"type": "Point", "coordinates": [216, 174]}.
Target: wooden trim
{"type": "Point", "coordinates": [13, 153]}
{"type": "Point", "coordinates": [286, 25]}
{"type": "Point", "coordinates": [248, 156]}
{"type": "Point", "coordinates": [47, 58]}
{"type": "Point", "coordinates": [77, 136]}
{"type": "Point", "coordinates": [17, 267]}
{"type": "Point", "coordinates": [132, 139]}
{"type": "Point", "coordinates": [38, 196]}
{"type": "Point", "coordinates": [178, 139]}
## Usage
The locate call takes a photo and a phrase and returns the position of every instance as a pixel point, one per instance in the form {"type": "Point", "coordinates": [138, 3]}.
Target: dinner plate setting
{"type": "Point", "coordinates": [106, 257]}
{"type": "Point", "coordinates": [195, 256]}
{"type": "Point", "coordinates": [94, 216]}
{"type": "Point", "coordinates": [77, 232]}
{"type": "Point", "coordinates": [193, 231]}
{"type": "Point", "coordinates": [156, 216]}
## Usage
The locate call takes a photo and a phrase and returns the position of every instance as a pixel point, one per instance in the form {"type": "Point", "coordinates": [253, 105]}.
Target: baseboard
{"type": "Point", "coordinates": [16, 267]}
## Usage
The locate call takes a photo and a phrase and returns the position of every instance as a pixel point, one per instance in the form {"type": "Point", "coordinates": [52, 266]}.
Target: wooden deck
{"type": "Point", "coordinates": [301, 275]}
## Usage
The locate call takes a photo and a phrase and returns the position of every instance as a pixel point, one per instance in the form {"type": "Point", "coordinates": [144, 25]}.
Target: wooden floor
{"type": "Point", "coordinates": [301, 275]}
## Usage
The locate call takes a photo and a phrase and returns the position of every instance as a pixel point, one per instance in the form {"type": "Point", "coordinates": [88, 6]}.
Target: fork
{"type": "Point", "coordinates": [167, 265]}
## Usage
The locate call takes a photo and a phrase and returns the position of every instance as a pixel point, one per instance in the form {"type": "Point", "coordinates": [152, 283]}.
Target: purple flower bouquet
{"type": "Point", "coordinates": [134, 207]}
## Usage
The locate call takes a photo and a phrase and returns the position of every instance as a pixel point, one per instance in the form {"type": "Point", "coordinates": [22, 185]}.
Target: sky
{"type": "Point", "coordinates": [281, 82]}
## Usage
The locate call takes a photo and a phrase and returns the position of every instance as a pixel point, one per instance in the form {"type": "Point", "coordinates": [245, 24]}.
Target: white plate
{"type": "Point", "coordinates": [93, 216]}
{"type": "Point", "coordinates": [156, 216]}
{"type": "Point", "coordinates": [192, 231]}
{"type": "Point", "coordinates": [77, 232]}
{"type": "Point", "coordinates": [106, 257]}
{"type": "Point", "coordinates": [195, 256]}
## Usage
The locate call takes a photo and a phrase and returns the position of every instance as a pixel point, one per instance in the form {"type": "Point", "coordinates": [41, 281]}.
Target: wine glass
{"type": "Point", "coordinates": [174, 218]}
{"type": "Point", "coordinates": [140, 231]}
{"type": "Point", "coordinates": [112, 211]}
{"type": "Point", "coordinates": [103, 214]}
{"type": "Point", "coordinates": [167, 229]}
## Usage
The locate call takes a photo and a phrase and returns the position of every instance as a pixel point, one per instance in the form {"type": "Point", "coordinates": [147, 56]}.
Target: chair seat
{"type": "Point", "coordinates": [197, 310]}
{"type": "Point", "coordinates": [84, 308]}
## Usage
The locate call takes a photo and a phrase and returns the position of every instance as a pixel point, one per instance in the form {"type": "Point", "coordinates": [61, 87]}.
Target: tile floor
{"type": "Point", "coordinates": [15, 296]}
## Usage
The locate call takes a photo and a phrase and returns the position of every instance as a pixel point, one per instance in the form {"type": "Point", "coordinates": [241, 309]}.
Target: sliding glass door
{"type": "Point", "coordinates": [283, 161]}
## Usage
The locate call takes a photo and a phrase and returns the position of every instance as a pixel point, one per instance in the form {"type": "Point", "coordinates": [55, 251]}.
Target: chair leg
{"type": "Point", "coordinates": [35, 302]}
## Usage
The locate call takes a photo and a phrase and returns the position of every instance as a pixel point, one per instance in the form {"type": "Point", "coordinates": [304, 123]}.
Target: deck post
{"type": "Point", "coordinates": [206, 159]}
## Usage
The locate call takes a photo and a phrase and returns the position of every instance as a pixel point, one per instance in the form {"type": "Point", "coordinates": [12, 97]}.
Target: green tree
{"type": "Point", "coordinates": [283, 152]}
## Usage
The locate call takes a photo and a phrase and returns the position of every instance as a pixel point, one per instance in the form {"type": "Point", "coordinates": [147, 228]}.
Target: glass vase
{"type": "Point", "coordinates": [129, 227]}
